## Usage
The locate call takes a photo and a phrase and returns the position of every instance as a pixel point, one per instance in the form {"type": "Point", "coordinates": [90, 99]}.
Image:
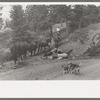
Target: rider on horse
{"type": "Point", "coordinates": [58, 32]}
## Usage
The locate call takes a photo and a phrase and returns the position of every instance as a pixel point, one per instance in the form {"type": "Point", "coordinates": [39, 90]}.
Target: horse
{"type": "Point", "coordinates": [44, 45]}
{"type": "Point", "coordinates": [32, 47]}
{"type": "Point", "coordinates": [14, 52]}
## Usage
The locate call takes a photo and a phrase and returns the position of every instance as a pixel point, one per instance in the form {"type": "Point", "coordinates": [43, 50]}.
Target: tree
{"type": "Point", "coordinates": [1, 23]}
{"type": "Point", "coordinates": [93, 13]}
{"type": "Point", "coordinates": [18, 21]}
{"type": "Point", "coordinates": [79, 14]}
{"type": "Point", "coordinates": [17, 15]}
{"type": "Point", "coordinates": [51, 17]}
{"type": "Point", "coordinates": [41, 17]}
{"type": "Point", "coordinates": [64, 13]}
{"type": "Point", "coordinates": [85, 15]}
{"type": "Point", "coordinates": [1, 20]}
{"type": "Point", "coordinates": [36, 16]}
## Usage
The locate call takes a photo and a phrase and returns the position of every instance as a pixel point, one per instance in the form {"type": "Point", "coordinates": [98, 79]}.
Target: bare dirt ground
{"type": "Point", "coordinates": [38, 69]}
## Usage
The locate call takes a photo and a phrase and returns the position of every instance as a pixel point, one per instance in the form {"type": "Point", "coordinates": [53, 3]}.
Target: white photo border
{"type": "Point", "coordinates": [50, 89]}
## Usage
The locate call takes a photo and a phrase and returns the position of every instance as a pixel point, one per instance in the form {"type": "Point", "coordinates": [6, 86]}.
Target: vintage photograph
{"type": "Point", "coordinates": [49, 41]}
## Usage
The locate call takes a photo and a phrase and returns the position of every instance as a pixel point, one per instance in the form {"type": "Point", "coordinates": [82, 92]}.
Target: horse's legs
{"type": "Point", "coordinates": [14, 61]}
{"type": "Point", "coordinates": [31, 53]}
{"type": "Point", "coordinates": [45, 48]}
{"type": "Point", "coordinates": [41, 48]}
{"type": "Point", "coordinates": [34, 52]}
{"type": "Point", "coordinates": [38, 49]}
{"type": "Point", "coordinates": [21, 57]}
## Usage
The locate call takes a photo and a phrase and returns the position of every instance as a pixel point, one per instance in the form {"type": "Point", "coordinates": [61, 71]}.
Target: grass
{"type": "Point", "coordinates": [79, 48]}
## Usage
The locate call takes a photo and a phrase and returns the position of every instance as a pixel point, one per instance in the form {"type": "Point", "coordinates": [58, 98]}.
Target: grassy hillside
{"type": "Point", "coordinates": [92, 30]}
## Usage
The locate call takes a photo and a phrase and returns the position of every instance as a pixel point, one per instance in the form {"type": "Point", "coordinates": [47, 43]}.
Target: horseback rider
{"type": "Point", "coordinates": [58, 32]}
{"type": "Point", "coordinates": [58, 36]}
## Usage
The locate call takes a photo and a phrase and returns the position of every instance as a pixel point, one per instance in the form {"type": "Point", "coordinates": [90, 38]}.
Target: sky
{"type": "Point", "coordinates": [7, 7]}
{"type": "Point", "coordinates": [6, 11]}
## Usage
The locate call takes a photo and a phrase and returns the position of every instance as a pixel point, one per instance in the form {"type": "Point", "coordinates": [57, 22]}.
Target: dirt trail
{"type": "Point", "coordinates": [51, 70]}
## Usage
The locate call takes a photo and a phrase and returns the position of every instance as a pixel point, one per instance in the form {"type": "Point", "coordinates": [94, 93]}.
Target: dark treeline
{"type": "Point", "coordinates": [37, 21]}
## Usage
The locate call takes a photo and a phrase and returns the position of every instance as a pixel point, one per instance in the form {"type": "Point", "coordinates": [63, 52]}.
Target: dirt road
{"type": "Point", "coordinates": [52, 70]}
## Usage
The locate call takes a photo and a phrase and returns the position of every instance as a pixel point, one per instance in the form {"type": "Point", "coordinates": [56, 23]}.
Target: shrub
{"type": "Point", "coordinates": [5, 55]}
{"type": "Point", "coordinates": [81, 35]}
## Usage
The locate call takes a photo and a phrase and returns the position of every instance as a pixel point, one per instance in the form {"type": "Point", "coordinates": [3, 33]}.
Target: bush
{"type": "Point", "coordinates": [81, 35]}
{"type": "Point", "coordinates": [5, 55]}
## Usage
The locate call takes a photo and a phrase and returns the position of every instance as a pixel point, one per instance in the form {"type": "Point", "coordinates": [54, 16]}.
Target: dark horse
{"type": "Point", "coordinates": [32, 47]}
{"type": "Point", "coordinates": [18, 50]}
{"type": "Point", "coordinates": [14, 52]}
{"type": "Point", "coordinates": [44, 45]}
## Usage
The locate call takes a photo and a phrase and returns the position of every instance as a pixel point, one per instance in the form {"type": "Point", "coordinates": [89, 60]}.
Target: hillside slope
{"type": "Point", "coordinates": [79, 48]}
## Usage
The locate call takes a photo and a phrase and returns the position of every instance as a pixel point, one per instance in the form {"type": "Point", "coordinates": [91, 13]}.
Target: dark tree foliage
{"type": "Point", "coordinates": [19, 25]}
{"type": "Point", "coordinates": [36, 16]}
{"type": "Point", "coordinates": [17, 15]}
{"type": "Point", "coordinates": [39, 19]}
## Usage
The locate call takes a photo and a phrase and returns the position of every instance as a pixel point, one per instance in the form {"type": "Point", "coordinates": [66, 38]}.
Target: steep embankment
{"type": "Point", "coordinates": [93, 32]}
